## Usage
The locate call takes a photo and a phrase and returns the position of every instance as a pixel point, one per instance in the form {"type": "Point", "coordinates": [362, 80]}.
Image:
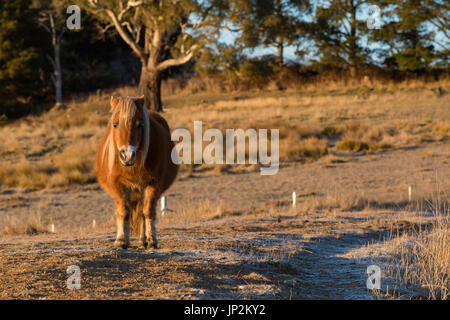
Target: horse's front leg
{"type": "Point", "coordinates": [122, 222]}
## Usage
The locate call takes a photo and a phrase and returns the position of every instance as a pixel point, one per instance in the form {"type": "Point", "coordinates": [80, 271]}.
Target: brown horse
{"type": "Point", "coordinates": [134, 166]}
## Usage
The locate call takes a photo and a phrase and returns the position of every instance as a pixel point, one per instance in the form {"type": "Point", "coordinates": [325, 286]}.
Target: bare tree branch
{"type": "Point", "coordinates": [177, 61]}
{"type": "Point", "coordinates": [118, 24]}
{"type": "Point", "coordinates": [52, 61]}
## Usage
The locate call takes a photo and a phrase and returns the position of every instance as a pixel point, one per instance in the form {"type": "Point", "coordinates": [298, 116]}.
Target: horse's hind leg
{"type": "Point", "coordinates": [151, 198]}
{"type": "Point", "coordinates": [141, 226]}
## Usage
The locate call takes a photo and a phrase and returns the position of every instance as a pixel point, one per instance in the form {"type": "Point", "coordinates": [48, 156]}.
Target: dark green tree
{"type": "Point", "coordinates": [21, 57]}
{"type": "Point", "coordinates": [337, 31]}
{"type": "Point", "coordinates": [409, 34]}
{"type": "Point", "coordinates": [268, 23]}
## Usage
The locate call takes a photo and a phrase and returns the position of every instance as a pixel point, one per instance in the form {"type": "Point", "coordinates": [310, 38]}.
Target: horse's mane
{"type": "Point", "coordinates": [126, 108]}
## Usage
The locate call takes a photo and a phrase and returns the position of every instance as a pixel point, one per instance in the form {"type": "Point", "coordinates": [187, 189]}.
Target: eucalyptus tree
{"type": "Point", "coordinates": [162, 34]}
{"type": "Point", "coordinates": [52, 18]}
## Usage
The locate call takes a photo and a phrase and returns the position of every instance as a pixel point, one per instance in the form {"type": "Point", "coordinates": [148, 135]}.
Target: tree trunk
{"type": "Point", "coordinates": [56, 62]}
{"type": "Point", "coordinates": [58, 74]}
{"type": "Point", "coordinates": [280, 41]}
{"type": "Point", "coordinates": [353, 46]}
{"type": "Point", "coordinates": [280, 52]}
{"type": "Point", "coordinates": [150, 87]}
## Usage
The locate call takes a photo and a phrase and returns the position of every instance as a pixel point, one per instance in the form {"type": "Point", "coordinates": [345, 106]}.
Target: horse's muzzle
{"type": "Point", "coordinates": [127, 155]}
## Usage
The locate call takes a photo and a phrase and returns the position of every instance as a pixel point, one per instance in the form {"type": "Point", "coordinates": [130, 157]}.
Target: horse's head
{"type": "Point", "coordinates": [130, 129]}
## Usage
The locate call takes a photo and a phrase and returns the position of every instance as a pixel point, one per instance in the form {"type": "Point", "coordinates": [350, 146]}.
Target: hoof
{"type": "Point", "coordinates": [142, 244]}
{"type": "Point", "coordinates": [121, 244]}
{"type": "Point", "coordinates": [152, 245]}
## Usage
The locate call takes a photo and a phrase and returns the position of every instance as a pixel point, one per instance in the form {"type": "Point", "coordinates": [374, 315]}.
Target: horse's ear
{"type": "Point", "coordinates": [140, 101]}
{"type": "Point", "coordinates": [113, 102]}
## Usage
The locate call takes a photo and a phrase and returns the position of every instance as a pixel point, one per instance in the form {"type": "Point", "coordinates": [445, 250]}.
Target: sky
{"type": "Point", "coordinates": [289, 52]}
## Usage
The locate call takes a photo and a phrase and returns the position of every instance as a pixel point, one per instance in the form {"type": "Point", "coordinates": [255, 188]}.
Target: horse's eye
{"type": "Point", "coordinates": [115, 124]}
{"type": "Point", "coordinates": [139, 125]}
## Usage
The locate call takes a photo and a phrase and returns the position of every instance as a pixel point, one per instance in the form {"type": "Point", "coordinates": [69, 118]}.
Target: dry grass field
{"type": "Point", "coordinates": [350, 152]}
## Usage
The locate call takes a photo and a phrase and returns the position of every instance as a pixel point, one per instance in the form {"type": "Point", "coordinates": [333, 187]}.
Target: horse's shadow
{"type": "Point", "coordinates": [320, 268]}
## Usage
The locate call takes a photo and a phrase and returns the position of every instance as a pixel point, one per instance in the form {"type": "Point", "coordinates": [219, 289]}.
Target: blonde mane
{"type": "Point", "coordinates": [126, 108]}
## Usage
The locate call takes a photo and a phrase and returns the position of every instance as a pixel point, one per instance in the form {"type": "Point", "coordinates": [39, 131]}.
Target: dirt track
{"type": "Point", "coordinates": [243, 253]}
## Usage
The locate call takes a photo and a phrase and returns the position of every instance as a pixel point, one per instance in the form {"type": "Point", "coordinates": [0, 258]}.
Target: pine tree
{"type": "Point", "coordinates": [337, 32]}
{"type": "Point", "coordinates": [21, 60]}
{"type": "Point", "coordinates": [268, 23]}
{"type": "Point", "coordinates": [409, 33]}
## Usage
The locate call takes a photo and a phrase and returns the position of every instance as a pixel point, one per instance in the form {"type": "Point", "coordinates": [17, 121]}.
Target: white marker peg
{"type": "Point", "coordinates": [93, 223]}
{"type": "Point", "coordinates": [294, 199]}
{"type": "Point", "coordinates": [53, 228]}
{"type": "Point", "coordinates": [409, 193]}
{"type": "Point", "coordinates": [163, 205]}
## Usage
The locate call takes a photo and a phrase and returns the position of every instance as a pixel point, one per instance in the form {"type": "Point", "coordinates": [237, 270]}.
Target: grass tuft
{"type": "Point", "coordinates": [29, 225]}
